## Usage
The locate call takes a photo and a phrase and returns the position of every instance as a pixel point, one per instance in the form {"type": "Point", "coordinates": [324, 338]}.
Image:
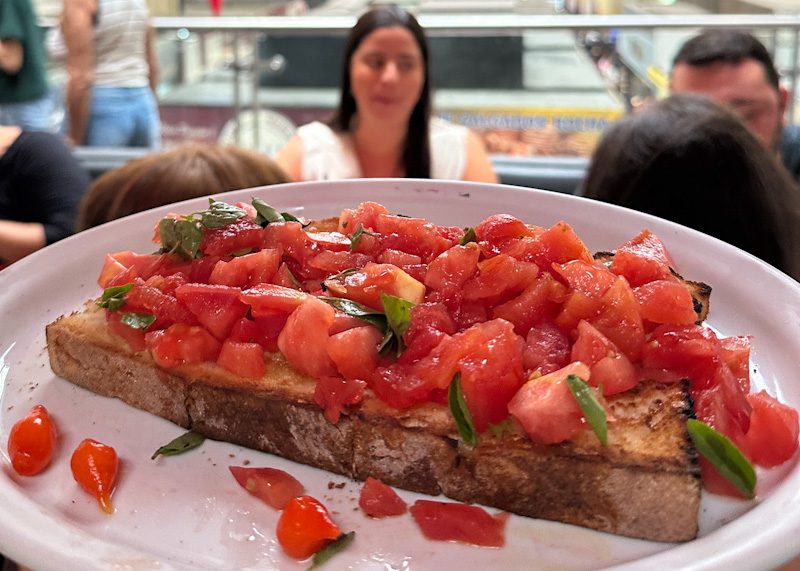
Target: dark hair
{"type": "Point", "coordinates": [188, 171]}
{"type": "Point", "coordinates": [690, 160]}
{"type": "Point", "coordinates": [416, 151]}
{"type": "Point", "coordinates": [726, 45]}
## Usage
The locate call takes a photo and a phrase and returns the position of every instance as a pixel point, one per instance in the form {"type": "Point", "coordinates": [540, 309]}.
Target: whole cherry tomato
{"type": "Point", "coordinates": [305, 527]}
{"type": "Point", "coordinates": [94, 467]}
{"type": "Point", "coordinates": [32, 442]}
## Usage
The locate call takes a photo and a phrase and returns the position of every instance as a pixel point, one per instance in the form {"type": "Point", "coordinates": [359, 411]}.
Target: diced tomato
{"type": "Point", "coordinates": [329, 241]}
{"type": "Point", "coordinates": [335, 262]}
{"type": "Point", "coordinates": [500, 278]}
{"type": "Point", "coordinates": [691, 351]}
{"type": "Point", "coordinates": [556, 245]}
{"type": "Point", "coordinates": [355, 351]}
{"type": "Point", "coordinates": [399, 386]}
{"type": "Point", "coordinates": [447, 521]}
{"type": "Point", "coordinates": [546, 408]}
{"type": "Point", "coordinates": [430, 323]}
{"type": "Point", "coordinates": [334, 393]}
{"type": "Point", "coordinates": [216, 307]}
{"type": "Point", "coordinates": [398, 258]}
{"type": "Point", "coordinates": [143, 298]}
{"type": "Point", "coordinates": [133, 337]}
{"type": "Point", "coordinates": [727, 412]}
{"type": "Point", "coordinates": [665, 301]}
{"type": "Point", "coordinates": [619, 319]}
{"type": "Point", "coordinates": [773, 432]}
{"type": "Point", "coordinates": [243, 359]}
{"type": "Point", "coordinates": [735, 353]}
{"type": "Point", "coordinates": [261, 330]}
{"type": "Point", "coordinates": [270, 299]}
{"type": "Point", "coordinates": [122, 267]}
{"type": "Point", "coordinates": [589, 283]}
{"type": "Point", "coordinates": [546, 349]}
{"type": "Point", "coordinates": [453, 267]}
{"type": "Point", "coordinates": [181, 344]}
{"type": "Point", "coordinates": [643, 259]}
{"type": "Point", "coordinates": [289, 238]}
{"type": "Point", "coordinates": [239, 236]}
{"type": "Point", "coordinates": [305, 527]}
{"type": "Point", "coordinates": [304, 339]}
{"type": "Point", "coordinates": [272, 486]}
{"type": "Point", "coordinates": [379, 500]}
{"type": "Point", "coordinates": [284, 277]}
{"type": "Point", "coordinates": [610, 368]}
{"type": "Point", "coordinates": [366, 215]}
{"type": "Point", "coordinates": [496, 232]}
{"type": "Point", "coordinates": [416, 235]}
{"type": "Point", "coordinates": [248, 270]}
{"type": "Point", "coordinates": [366, 285]}
{"type": "Point", "coordinates": [715, 482]}
{"type": "Point", "coordinates": [534, 305]}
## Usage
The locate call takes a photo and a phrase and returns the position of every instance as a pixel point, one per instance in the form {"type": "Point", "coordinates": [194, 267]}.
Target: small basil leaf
{"type": "Point", "coordinates": [592, 410]}
{"type": "Point", "coordinates": [356, 237]}
{"type": "Point", "coordinates": [398, 317]}
{"type": "Point", "coordinates": [469, 236]}
{"type": "Point", "coordinates": [460, 412]}
{"type": "Point", "coordinates": [114, 297]}
{"type": "Point", "coordinates": [140, 321]}
{"type": "Point", "coordinates": [723, 454]}
{"type": "Point", "coordinates": [292, 218]}
{"type": "Point", "coordinates": [220, 214]}
{"type": "Point", "coordinates": [180, 445]}
{"type": "Point", "coordinates": [266, 214]}
{"type": "Point", "coordinates": [180, 236]}
{"type": "Point", "coordinates": [355, 309]}
{"type": "Point", "coordinates": [337, 545]}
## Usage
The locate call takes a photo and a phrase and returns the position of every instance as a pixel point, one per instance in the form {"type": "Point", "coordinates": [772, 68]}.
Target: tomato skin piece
{"type": "Point", "coordinates": [32, 442]}
{"type": "Point", "coordinates": [95, 466]}
{"type": "Point", "coordinates": [272, 486]}
{"type": "Point", "coordinates": [545, 407]}
{"type": "Point", "coordinates": [305, 527]}
{"type": "Point", "coordinates": [378, 500]}
{"type": "Point", "coordinates": [243, 359]}
{"type": "Point", "coordinates": [448, 521]}
{"type": "Point", "coordinates": [773, 432]}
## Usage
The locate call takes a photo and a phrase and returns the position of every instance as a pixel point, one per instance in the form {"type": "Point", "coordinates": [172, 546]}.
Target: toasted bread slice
{"type": "Point", "coordinates": [644, 484]}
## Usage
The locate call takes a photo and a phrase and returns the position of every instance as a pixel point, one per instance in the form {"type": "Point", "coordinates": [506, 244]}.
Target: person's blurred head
{"type": "Point", "coordinates": [735, 69]}
{"type": "Point", "coordinates": [689, 160]}
{"type": "Point", "coordinates": [386, 76]}
{"type": "Point", "coordinates": [188, 171]}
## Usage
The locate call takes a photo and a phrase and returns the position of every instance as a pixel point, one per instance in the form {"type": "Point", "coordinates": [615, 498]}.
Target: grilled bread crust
{"type": "Point", "coordinates": [644, 484]}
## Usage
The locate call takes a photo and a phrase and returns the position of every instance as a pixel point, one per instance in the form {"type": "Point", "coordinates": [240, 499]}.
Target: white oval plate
{"type": "Point", "coordinates": [187, 512]}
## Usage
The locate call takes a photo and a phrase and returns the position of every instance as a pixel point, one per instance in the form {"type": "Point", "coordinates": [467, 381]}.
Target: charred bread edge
{"type": "Point", "coordinates": [625, 488]}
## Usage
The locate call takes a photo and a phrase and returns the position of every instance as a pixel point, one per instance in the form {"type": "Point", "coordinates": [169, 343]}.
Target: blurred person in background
{"type": "Point", "coordinates": [383, 125]}
{"type": "Point", "coordinates": [735, 69]}
{"type": "Point", "coordinates": [112, 74]}
{"type": "Point", "coordinates": [689, 160]}
{"type": "Point", "coordinates": [188, 171]}
{"type": "Point", "coordinates": [24, 91]}
{"type": "Point", "coordinates": [41, 186]}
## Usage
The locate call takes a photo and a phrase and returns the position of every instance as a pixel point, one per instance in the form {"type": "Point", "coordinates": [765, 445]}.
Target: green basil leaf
{"type": "Point", "coordinates": [355, 309]}
{"type": "Point", "coordinates": [266, 214]}
{"type": "Point", "coordinates": [220, 214]}
{"type": "Point", "coordinates": [398, 317]}
{"type": "Point", "coordinates": [460, 412]}
{"type": "Point", "coordinates": [140, 321]}
{"type": "Point", "coordinates": [180, 445]}
{"type": "Point", "coordinates": [292, 218]}
{"type": "Point", "coordinates": [723, 454]}
{"type": "Point", "coordinates": [469, 236]}
{"type": "Point", "coordinates": [180, 236]}
{"type": "Point", "coordinates": [337, 545]}
{"type": "Point", "coordinates": [114, 297]}
{"type": "Point", "coordinates": [593, 411]}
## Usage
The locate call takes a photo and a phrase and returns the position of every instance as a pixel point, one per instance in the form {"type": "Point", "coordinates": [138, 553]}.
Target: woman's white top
{"type": "Point", "coordinates": [328, 155]}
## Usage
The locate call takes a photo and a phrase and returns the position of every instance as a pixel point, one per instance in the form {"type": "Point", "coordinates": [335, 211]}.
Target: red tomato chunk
{"type": "Point", "coordinates": [272, 486]}
{"type": "Point", "coordinates": [379, 500]}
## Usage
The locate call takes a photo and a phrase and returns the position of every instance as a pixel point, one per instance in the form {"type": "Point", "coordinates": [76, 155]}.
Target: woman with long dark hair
{"type": "Point", "coordinates": [382, 126]}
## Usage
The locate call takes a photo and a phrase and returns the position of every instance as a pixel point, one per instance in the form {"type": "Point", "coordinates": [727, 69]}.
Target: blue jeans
{"type": "Point", "coordinates": [123, 117]}
{"type": "Point", "coordinates": [36, 115]}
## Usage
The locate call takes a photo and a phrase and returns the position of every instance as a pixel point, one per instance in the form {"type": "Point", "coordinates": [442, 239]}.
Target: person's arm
{"type": "Point", "coordinates": [152, 58]}
{"type": "Point", "coordinates": [11, 55]}
{"type": "Point", "coordinates": [479, 168]}
{"type": "Point", "coordinates": [290, 159]}
{"type": "Point", "coordinates": [76, 21]}
{"type": "Point", "coordinates": [18, 239]}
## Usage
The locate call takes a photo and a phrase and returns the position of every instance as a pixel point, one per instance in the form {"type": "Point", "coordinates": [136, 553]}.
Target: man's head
{"type": "Point", "coordinates": [735, 69]}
